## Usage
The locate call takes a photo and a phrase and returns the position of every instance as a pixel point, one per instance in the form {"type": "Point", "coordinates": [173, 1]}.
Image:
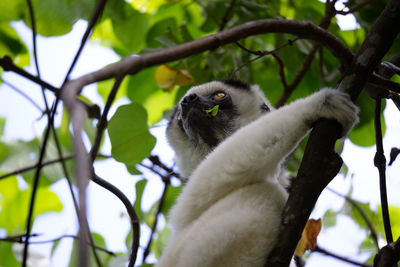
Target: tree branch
{"type": "Point", "coordinates": [19, 239]}
{"type": "Point", "coordinates": [389, 255]}
{"type": "Point", "coordinates": [363, 215]}
{"type": "Point", "coordinates": [7, 64]}
{"type": "Point", "coordinates": [320, 164]}
{"type": "Point", "coordinates": [380, 163]}
{"type": "Point", "coordinates": [355, 8]}
{"type": "Point", "coordinates": [23, 94]}
{"type": "Point", "coordinates": [227, 15]}
{"type": "Point", "coordinates": [324, 251]}
{"type": "Point", "coordinates": [131, 212]}
{"type": "Point", "coordinates": [134, 63]}
{"type": "Point", "coordinates": [102, 123]}
{"type": "Point", "coordinates": [154, 226]}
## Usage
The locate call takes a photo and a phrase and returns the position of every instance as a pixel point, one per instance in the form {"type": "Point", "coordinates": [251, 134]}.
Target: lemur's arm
{"type": "Point", "coordinates": [254, 153]}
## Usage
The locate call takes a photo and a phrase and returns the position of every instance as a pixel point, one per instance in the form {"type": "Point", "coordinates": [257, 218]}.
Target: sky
{"type": "Point", "coordinates": [55, 55]}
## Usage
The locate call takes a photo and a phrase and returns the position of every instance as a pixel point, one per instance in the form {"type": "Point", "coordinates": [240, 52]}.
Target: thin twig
{"type": "Point", "coordinates": [154, 226]}
{"type": "Point", "coordinates": [227, 14]}
{"type": "Point", "coordinates": [363, 215]}
{"type": "Point", "coordinates": [93, 20]}
{"type": "Point", "coordinates": [8, 65]}
{"type": "Point", "coordinates": [23, 94]}
{"type": "Point", "coordinates": [355, 8]}
{"type": "Point", "coordinates": [102, 123]}
{"type": "Point", "coordinates": [380, 163]}
{"type": "Point", "coordinates": [328, 253]}
{"type": "Point", "coordinates": [20, 238]}
{"type": "Point", "coordinates": [299, 76]}
{"type": "Point", "coordinates": [324, 23]}
{"type": "Point", "coordinates": [32, 167]}
{"type": "Point", "coordinates": [155, 160]}
{"type": "Point", "coordinates": [259, 54]}
{"type": "Point", "coordinates": [281, 68]}
{"type": "Point", "coordinates": [35, 56]}
{"type": "Point", "coordinates": [134, 219]}
{"type": "Point", "coordinates": [385, 83]}
{"type": "Point", "coordinates": [44, 164]}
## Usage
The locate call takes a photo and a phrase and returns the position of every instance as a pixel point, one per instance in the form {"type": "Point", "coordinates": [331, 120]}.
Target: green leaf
{"type": "Point", "coordinates": [12, 45]}
{"type": "Point", "coordinates": [2, 125]}
{"type": "Point", "coordinates": [19, 154]}
{"type": "Point", "coordinates": [57, 17]}
{"type": "Point", "coordinates": [394, 213]}
{"type": "Point", "coordinates": [329, 218]}
{"type": "Point", "coordinates": [119, 260]}
{"type": "Point", "coordinates": [104, 34]}
{"type": "Point", "coordinates": [159, 102]}
{"type": "Point", "coordinates": [104, 89]}
{"type": "Point", "coordinates": [129, 134]}
{"type": "Point", "coordinates": [52, 17]}
{"type": "Point", "coordinates": [160, 29]}
{"type": "Point", "coordinates": [7, 257]}
{"type": "Point", "coordinates": [140, 185]}
{"type": "Point", "coordinates": [170, 198]}
{"type": "Point", "coordinates": [15, 202]}
{"type": "Point", "coordinates": [212, 112]}
{"type": "Point", "coordinates": [132, 29]}
{"type": "Point", "coordinates": [150, 216]}
{"type": "Point", "coordinates": [365, 135]}
{"type": "Point", "coordinates": [160, 241]}
{"type": "Point", "coordinates": [368, 245]}
{"type": "Point", "coordinates": [12, 10]}
{"type": "Point", "coordinates": [141, 85]}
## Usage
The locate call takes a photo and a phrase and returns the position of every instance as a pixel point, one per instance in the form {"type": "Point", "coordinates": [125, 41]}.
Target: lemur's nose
{"type": "Point", "coordinates": [189, 99]}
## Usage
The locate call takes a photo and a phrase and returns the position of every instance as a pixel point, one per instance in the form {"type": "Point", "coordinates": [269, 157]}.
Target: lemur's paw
{"type": "Point", "coordinates": [337, 105]}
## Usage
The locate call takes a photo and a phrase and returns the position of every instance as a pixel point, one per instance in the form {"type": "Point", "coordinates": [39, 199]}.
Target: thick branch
{"type": "Point", "coordinates": [389, 255]}
{"type": "Point", "coordinates": [304, 29]}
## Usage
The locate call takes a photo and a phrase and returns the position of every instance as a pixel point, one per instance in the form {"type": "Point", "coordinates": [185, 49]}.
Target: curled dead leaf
{"type": "Point", "coordinates": [309, 236]}
{"type": "Point", "coordinates": [167, 77]}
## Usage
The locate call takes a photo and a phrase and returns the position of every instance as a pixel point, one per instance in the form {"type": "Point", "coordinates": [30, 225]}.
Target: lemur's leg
{"type": "Point", "coordinates": [254, 153]}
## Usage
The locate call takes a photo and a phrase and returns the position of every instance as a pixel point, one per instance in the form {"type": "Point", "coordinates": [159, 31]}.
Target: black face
{"type": "Point", "coordinates": [199, 118]}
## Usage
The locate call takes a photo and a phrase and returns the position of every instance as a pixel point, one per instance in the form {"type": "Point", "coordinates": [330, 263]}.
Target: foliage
{"type": "Point", "coordinates": [129, 27]}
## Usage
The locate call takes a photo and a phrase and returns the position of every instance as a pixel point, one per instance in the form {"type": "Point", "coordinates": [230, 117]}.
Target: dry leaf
{"type": "Point", "coordinates": [309, 236]}
{"type": "Point", "coordinates": [167, 77]}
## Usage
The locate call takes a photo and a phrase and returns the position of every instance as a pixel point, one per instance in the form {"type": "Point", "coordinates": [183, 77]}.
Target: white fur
{"type": "Point", "coordinates": [229, 211]}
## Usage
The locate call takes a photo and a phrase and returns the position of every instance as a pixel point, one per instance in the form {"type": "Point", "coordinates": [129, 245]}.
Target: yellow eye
{"type": "Point", "coordinates": [218, 96]}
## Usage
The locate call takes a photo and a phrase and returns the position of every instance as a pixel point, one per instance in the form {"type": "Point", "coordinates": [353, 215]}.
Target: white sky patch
{"type": "Point", "coordinates": [347, 22]}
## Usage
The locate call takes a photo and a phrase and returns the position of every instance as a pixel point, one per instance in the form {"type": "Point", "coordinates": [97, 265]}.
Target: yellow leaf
{"type": "Point", "coordinates": [309, 236]}
{"type": "Point", "coordinates": [184, 78]}
{"type": "Point", "coordinates": [167, 77]}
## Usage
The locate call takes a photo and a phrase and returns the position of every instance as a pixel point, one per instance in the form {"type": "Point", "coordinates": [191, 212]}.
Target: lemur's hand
{"type": "Point", "coordinates": [334, 104]}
